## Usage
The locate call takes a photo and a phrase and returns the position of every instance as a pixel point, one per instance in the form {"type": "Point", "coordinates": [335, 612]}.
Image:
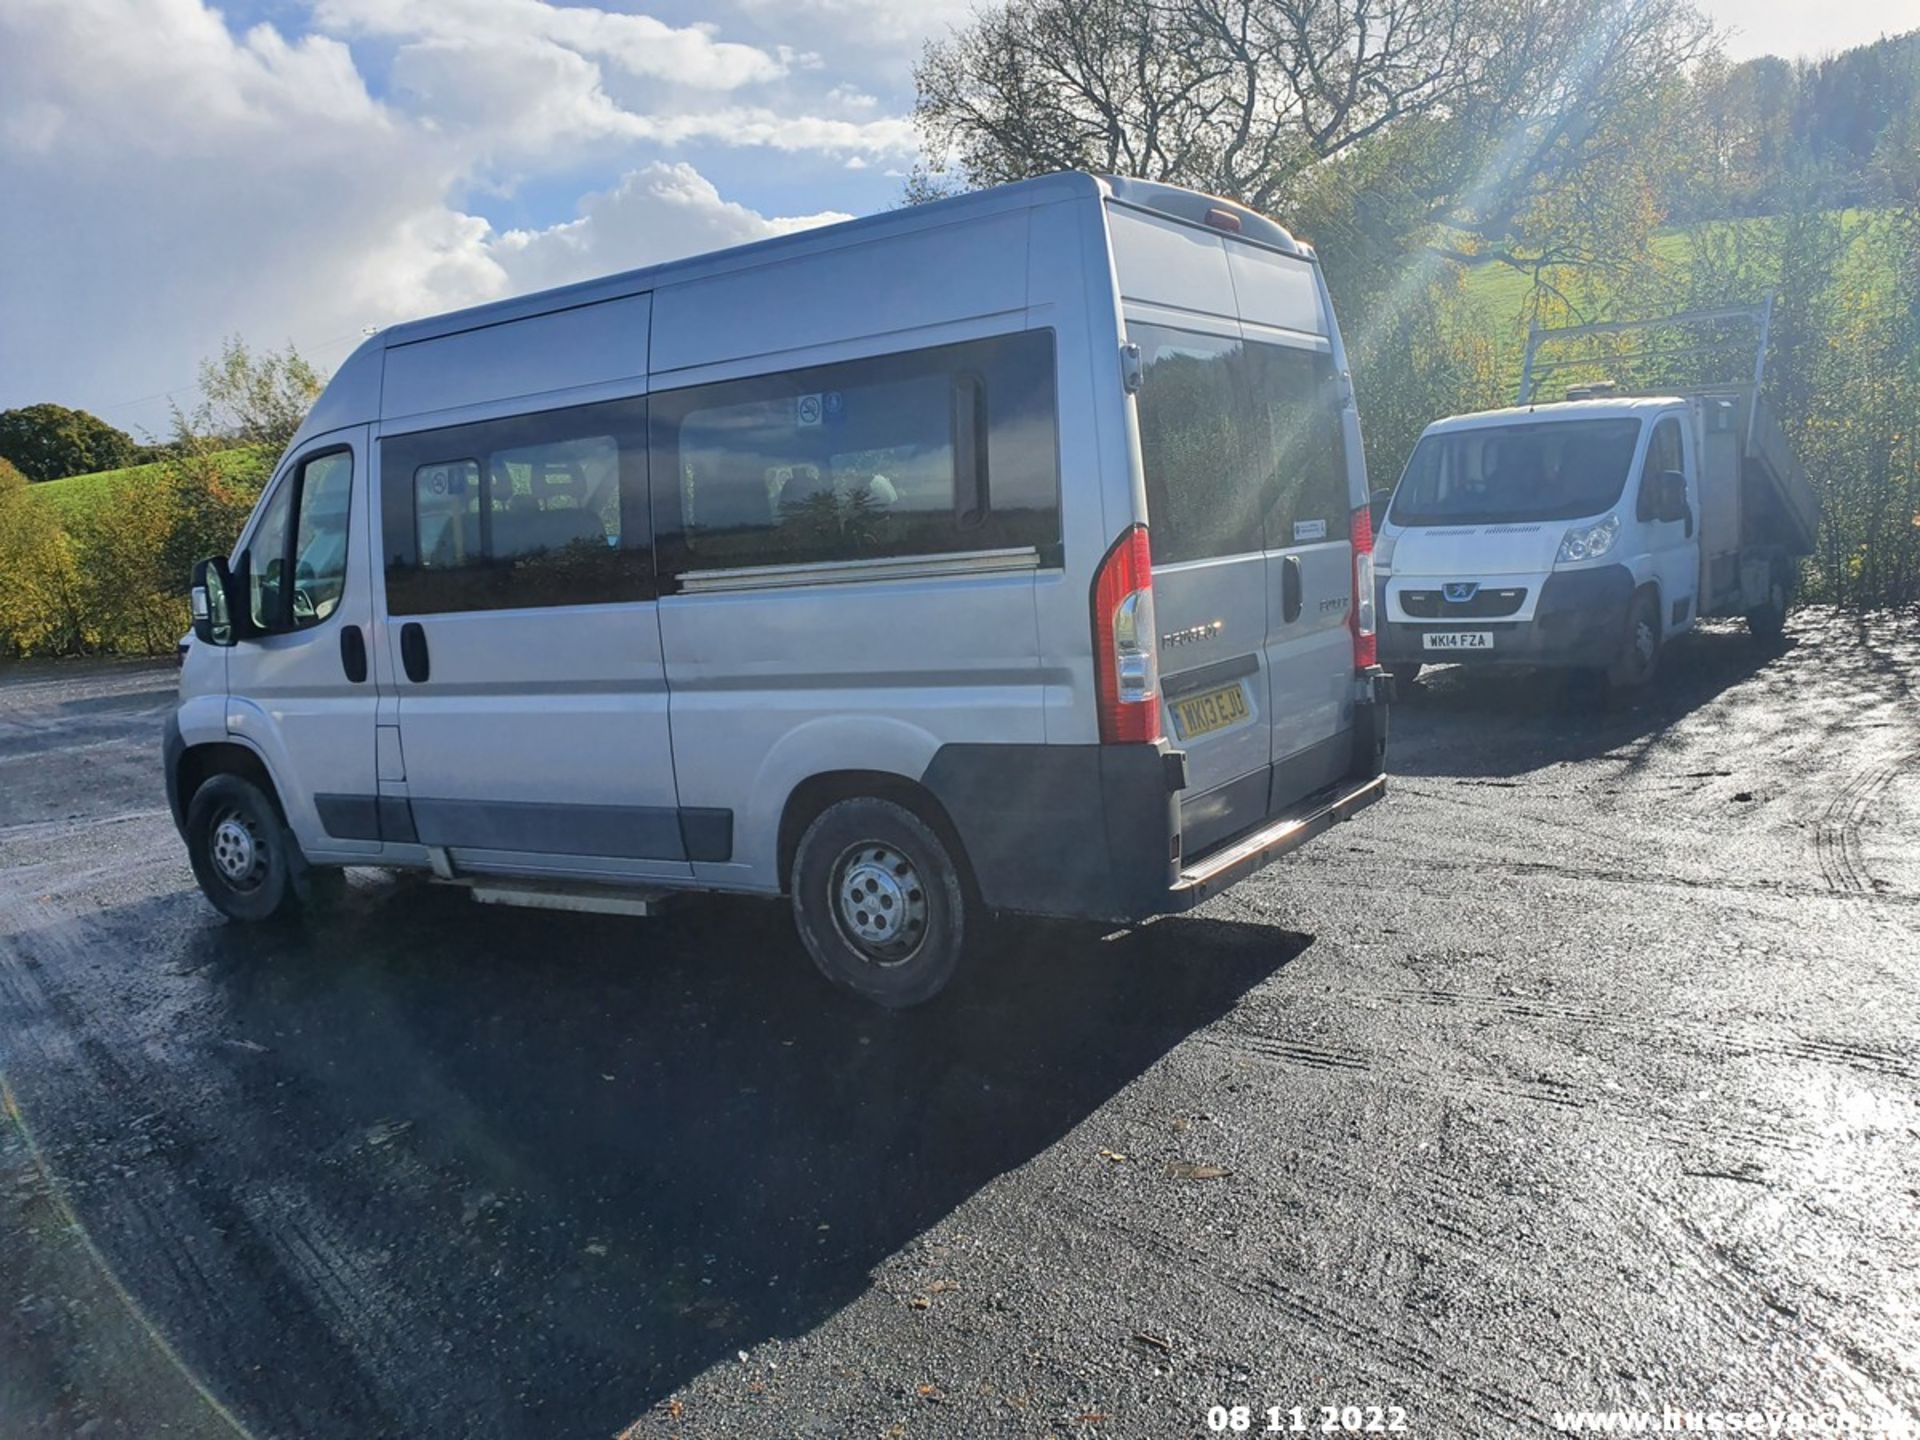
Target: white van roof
{"type": "Point", "coordinates": [353, 394]}
{"type": "Point", "coordinates": [1612, 407]}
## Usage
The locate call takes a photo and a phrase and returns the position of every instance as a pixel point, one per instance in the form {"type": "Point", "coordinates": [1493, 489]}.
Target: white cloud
{"type": "Point", "coordinates": [169, 181]}
{"type": "Point", "coordinates": [637, 44]}
{"type": "Point", "coordinates": [900, 26]}
{"type": "Point", "coordinates": [659, 213]}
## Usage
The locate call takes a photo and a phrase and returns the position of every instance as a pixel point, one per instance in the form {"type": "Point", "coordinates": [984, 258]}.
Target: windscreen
{"type": "Point", "coordinates": [1501, 474]}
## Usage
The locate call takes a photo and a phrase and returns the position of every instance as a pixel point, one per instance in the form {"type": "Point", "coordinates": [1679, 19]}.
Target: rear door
{"type": "Point", "coordinates": [1299, 469]}
{"type": "Point", "coordinates": [1206, 528]}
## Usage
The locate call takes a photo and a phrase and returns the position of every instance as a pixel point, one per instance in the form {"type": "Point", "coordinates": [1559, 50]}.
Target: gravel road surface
{"type": "Point", "coordinates": [1583, 1072]}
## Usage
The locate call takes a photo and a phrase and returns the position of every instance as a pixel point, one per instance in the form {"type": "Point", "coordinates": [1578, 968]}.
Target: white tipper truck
{"type": "Point", "coordinates": [1587, 533]}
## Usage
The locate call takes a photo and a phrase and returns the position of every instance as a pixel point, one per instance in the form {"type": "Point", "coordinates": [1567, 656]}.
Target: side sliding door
{"type": "Point", "coordinates": [520, 603]}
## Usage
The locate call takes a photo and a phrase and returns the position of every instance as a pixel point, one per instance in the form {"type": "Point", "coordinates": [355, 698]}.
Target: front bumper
{"type": "Point", "coordinates": [172, 747]}
{"type": "Point", "coordinates": [1579, 620]}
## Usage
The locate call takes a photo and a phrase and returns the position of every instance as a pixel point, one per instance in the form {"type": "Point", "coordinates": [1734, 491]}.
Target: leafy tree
{"type": "Point", "coordinates": [252, 399]}
{"type": "Point", "coordinates": [40, 603]}
{"type": "Point", "coordinates": [50, 442]}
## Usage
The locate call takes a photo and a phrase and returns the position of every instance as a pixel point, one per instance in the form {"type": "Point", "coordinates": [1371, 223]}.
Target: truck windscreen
{"type": "Point", "coordinates": [1506, 474]}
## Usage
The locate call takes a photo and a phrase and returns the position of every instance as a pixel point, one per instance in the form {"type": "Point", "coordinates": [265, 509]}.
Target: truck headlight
{"type": "Point", "coordinates": [1588, 542]}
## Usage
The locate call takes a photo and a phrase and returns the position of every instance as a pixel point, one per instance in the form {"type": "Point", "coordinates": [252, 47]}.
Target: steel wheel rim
{"type": "Point", "coordinates": [879, 903]}
{"type": "Point", "coordinates": [1643, 643]}
{"type": "Point", "coordinates": [238, 855]}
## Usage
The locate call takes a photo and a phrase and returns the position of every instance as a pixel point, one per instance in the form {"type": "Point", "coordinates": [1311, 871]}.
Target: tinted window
{"type": "Point", "coordinates": [312, 502]}
{"type": "Point", "coordinates": [1663, 454]}
{"type": "Point", "coordinates": [1499, 474]}
{"type": "Point", "coordinates": [922, 453]}
{"type": "Point", "coordinates": [533, 510]}
{"type": "Point", "coordinates": [1241, 445]}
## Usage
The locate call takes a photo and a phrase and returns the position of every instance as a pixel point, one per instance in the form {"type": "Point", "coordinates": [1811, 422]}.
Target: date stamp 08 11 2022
{"type": "Point", "coordinates": [1308, 1419]}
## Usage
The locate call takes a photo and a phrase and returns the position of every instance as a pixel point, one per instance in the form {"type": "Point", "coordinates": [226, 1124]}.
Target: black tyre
{"type": "Point", "coordinates": [1639, 659]}
{"type": "Point", "coordinates": [1405, 674]}
{"type": "Point", "coordinates": [243, 855]}
{"type": "Point", "coordinates": [879, 902]}
{"type": "Point", "coordinates": [1769, 623]}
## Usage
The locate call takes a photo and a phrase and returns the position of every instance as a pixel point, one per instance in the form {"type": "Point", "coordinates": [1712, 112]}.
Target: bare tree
{"type": "Point", "coordinates": [1466, 120]}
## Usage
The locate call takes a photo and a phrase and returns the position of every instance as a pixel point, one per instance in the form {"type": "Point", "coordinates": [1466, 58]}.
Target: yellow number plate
{"type": "Point", "coordinates": [1215, 710]}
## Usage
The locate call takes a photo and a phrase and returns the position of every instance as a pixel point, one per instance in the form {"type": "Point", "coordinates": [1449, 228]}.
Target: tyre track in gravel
{"type": "Point", "coordinates": [1403, 1364]}
{"type": "Point", "coordinates": [1837, 832]}
{"type": "Point", "coordinates": [221, 1254]}
{"type": "Point", "coordinates": [1681, 1132]}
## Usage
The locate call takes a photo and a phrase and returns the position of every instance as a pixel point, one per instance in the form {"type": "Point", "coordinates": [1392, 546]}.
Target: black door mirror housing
{"type": "Point", "coordinates": [216, 603]}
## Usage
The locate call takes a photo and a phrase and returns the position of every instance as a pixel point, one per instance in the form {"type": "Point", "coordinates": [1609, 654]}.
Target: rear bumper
{"type": "Point", "coordinates": [1094, 831]}
{"type": "Point", "coordinates": [1579, 620]}
{"type": "Point", "coordinates": [1234, 861]}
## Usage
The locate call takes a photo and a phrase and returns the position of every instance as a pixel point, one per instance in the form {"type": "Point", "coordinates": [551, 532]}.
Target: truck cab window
{"type": "Point", "coordinates": [1663, 454]}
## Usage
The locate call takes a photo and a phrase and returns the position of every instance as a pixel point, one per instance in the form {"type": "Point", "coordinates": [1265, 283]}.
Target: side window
{"type": "Point", "coordinates": [528, 511]}
{"type": "Point", "coordinates": [320, 539]}
{"type": "Point", "coordinates": [266, 560]}
{"type": "Point", "coordinates": [297, 559]}
{"type": "Point", "coordinates": [928, 452]}
{"type": "Point", "coordinates": [1663, 453]}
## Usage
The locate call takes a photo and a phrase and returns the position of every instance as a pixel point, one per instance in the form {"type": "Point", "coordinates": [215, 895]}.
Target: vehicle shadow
{"type": "Point", "coordinates": [1465, 721]}
{"type": "Point", "coordinates": [454, 1169]}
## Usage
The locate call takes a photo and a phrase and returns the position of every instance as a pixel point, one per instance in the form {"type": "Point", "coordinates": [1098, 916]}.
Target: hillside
{"type": "Point", "coordinates": [79, 494]}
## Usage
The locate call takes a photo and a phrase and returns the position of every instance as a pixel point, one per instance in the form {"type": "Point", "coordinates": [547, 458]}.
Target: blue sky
{"type": "Point", "coordinates": [304, 170]}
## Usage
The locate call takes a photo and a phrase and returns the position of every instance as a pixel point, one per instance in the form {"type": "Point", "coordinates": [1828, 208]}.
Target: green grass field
{"type": "Point", "coordinates": [78, 494]}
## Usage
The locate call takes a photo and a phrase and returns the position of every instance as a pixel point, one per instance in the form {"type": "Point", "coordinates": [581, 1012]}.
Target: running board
{"type": "Point", "coordinates": [582, 899]}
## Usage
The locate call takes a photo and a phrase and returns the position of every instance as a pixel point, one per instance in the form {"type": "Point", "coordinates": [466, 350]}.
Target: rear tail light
{"type": "Point", "coordinates": [1366, 649]}
{"type": "Point", "coordinates": [1126, 659]}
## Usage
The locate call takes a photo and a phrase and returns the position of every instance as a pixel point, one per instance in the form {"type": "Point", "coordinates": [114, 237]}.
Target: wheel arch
{"type": "Point", "coordinates": [198, 764]}
{"type": "Point", "coordinates": [811, 798]}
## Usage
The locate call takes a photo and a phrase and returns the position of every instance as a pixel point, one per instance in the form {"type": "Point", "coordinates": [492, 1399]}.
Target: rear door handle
{"type": "Point", "coordinates": [413, 652]}
{"type": "Point", "coordinates": [353, 653]}
{"type": "Point", "coordinates": [1291, 595]}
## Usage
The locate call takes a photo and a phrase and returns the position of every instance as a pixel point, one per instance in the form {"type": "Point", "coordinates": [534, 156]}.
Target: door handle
{"type": "Point", "coordinates": [353, 653]}
{"type": "Point", "coordinates": [413, 652]}
{"type": "Point", "coordinates": [1291, 595]}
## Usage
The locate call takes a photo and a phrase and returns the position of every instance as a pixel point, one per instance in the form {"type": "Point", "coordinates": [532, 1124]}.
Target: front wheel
{"type": "Point", "coordinates": [879, 902]}
{"type": "Point", "coordinates": [1639, 659]}
{"type": "Point", "coordinates": [242, 853]}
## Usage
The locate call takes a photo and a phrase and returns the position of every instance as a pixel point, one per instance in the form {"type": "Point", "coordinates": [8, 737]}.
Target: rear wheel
{"type": "Point", "coordinates": [879, 902]}
{"type": "Point", "coordinates": [242, 853]}
{"type": "Point", "coordinates": [1769, 622]}
{"type": "Point", "coordinates": [1639, 659]}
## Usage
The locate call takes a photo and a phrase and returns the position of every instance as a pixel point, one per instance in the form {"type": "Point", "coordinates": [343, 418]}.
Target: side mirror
{"type": "Point", "coordinates": [1377, 504]}
{"type": "Point", "coordinates": [213, 602]}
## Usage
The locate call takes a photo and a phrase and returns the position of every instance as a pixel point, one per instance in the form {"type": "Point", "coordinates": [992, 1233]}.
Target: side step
{"type": "Point", "coordinates": [582, 899]}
